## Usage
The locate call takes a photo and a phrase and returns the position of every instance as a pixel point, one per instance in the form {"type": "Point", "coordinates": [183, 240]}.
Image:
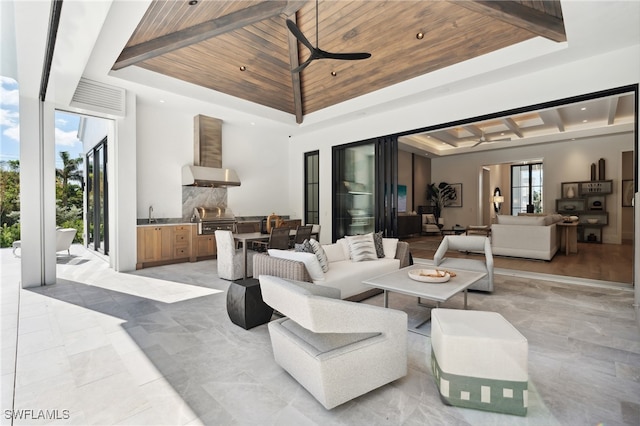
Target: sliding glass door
{"type": "Point", "coordinates": [97, 205]}
{"type": "Point", "coordinates": [365, 188]}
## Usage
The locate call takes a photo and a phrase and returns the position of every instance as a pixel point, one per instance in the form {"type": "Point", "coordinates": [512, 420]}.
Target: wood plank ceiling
{"type": "Point", "coordinates": [243, 48]}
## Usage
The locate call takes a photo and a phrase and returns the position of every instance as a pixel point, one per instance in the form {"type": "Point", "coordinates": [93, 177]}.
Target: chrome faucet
{"type": "Point", "coordinates": [151, 219]}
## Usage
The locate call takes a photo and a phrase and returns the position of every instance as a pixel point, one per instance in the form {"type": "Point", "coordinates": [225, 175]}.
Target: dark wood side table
{"type": "Point", "coordinates": [568, 237]}
{"type": "Point", "coordinates": [245, 305]}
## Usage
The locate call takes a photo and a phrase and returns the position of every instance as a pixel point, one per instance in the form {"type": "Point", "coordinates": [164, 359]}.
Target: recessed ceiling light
{"type": "Point", "coordinates": [243, 68]}
{"type": "Point", "coordinates": [161, 101]}
{"type": "Point", "coordinates": [420, 35]}
{"type": "Point", "coordinates": [583, 109]}
{"type": "Point", "coordinates": [193, 2]}
{"type": "Point", "coordinates": [333, 73]}
{"type": "Point", "coordinates": [585, 121]}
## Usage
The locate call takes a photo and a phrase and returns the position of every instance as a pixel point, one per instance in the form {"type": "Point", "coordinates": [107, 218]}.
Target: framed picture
{"type": "Point", "coordinates": [402, 198]}
{"type": "Point", "coordinates": [457, 201]}
{"type": "Point", "coordinates": [627, 193]}
{"type": "Point", "coordinates": [569, 189]}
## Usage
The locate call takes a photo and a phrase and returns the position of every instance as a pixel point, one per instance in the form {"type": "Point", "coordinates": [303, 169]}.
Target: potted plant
{"type": "Point", "coordinates": [440, 195]}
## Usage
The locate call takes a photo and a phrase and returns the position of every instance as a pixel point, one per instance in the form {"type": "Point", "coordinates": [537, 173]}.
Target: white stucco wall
{"type": "Point", "coordinates": [258, 153]}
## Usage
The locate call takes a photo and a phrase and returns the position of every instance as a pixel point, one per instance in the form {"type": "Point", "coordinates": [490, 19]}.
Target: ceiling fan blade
{"type": "Point", "coordinates": [298, 34]}
{"type": "Point", "coordinates": [344, 56]}
{"type": "Point", "coordinates": [478, 143]}
{"type": "Point", "coordinates": [303, 65]}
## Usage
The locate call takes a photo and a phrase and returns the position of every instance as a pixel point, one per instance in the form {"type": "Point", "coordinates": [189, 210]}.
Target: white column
{"type": "Point", "coordinates": [37, 193]}
{"type": "Point", "coordinates": [123, 190]}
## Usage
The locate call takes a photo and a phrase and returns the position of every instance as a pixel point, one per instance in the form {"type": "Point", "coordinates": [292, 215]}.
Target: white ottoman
{"type": "Point", "coordinates": [479, 360]}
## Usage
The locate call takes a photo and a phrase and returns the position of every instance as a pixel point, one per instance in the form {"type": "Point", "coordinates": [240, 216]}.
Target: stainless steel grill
{"type": "Point", "coordinates": [210, 219]}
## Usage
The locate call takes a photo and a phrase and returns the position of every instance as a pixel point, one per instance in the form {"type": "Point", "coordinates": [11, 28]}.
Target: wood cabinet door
{"type": "Point", "coordinates": [147, 244]}
{"type": "Point", "coordinates": [205, 245]}
{"type": "Point", "coordinates": [165, 242]}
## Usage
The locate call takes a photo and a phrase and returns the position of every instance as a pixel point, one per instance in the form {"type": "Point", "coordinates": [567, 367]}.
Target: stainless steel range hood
{"type": "Point", "coordinates": [208, 176]}
{"type": "Point", "coordinates": [207, 156]}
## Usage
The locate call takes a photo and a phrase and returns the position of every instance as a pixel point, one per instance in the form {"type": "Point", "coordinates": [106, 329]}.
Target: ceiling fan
{"type": "Point", "coordinates": [484, 139]}
{"type": "Point", "coordinates": [316, 52]}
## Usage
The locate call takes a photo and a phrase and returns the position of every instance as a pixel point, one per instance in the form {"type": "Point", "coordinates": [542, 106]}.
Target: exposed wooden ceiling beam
{"type": "Point", "coordinates": [295, 77]}
{"type": "Point", "coordinates": [206, 30]}
{"type": "Point", "coordinates": [515, 13]}
{"type": "Point", "coordinates": [513, 126]}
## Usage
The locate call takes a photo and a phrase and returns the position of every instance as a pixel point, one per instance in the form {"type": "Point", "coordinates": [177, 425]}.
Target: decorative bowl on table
{"type": "Point", "coordinates": [592, 221]}
{"type": "Point", "coordinates": [429, 275]}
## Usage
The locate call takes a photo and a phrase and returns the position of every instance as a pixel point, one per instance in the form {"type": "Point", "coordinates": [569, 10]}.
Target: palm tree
{"type": "Point", "coordinates": [70, 171]}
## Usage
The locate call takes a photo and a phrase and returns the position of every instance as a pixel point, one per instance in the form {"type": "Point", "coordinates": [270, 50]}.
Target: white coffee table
{"type": "Point", "coordinates": [399, 282]}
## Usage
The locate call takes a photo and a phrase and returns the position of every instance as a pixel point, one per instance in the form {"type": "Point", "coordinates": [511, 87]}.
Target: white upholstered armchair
{"type": "Point", "coordinates": [429, 224]}
{"type": "Point", "coordinates": [230, 260]}
{"type": "Point", "coordinates": [337, 350]}
{"type": "Point", "coordinates": [469, 243]}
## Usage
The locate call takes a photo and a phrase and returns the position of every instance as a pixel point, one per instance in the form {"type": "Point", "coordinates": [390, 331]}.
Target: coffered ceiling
{"type": "Point", "coordinates": [602, 116]}
{"type": "Point", "coordinates": [243, 48]}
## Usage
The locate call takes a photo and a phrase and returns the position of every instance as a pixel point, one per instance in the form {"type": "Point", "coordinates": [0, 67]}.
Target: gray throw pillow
{"type": "Point", "coordinates": [377, 242]}
{"type": "Point", "coordinates": [304, 247]}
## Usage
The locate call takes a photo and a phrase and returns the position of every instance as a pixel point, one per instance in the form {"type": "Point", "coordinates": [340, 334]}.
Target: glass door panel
{"type": "Point", "coordinates": [355, 197]}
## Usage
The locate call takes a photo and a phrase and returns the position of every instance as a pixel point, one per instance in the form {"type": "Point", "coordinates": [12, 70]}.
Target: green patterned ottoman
{"type": "Point", "coordinates": [479, 360]}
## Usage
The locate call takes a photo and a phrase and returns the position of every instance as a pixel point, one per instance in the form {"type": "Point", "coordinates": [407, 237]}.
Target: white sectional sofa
{"type": "Point", "coordinates": [533, 237]}
{"type": "Point", "coordinates": [342, 273]}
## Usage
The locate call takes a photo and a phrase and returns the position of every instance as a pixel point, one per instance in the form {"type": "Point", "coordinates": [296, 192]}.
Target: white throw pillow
{"type": "Point", "coordinates": [334, 252]}
{"type": "Point", "coordinates": [310, 261]}
{"type": "Point", "coordinates": [320, 254]}
{"type": "Point", "coordinates": [345, 248]}
{"type": "Point", "coordinates": [429, 218]}
{"type": "Point", "coordinates": [390, 246]}
{"type": "Point", "coordinates": [361, 247]}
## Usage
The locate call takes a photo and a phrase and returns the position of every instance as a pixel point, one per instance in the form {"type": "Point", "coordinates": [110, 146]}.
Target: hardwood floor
{"type": "Point", "coordinates": [604, 262]}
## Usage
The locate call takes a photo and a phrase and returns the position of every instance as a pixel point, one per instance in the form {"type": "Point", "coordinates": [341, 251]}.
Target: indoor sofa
{"type": "Point", "coordinates": [533, 237]}
{"type": "Point", "coordinates": [342, 271]}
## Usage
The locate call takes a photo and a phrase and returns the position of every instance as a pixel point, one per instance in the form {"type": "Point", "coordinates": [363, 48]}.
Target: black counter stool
{"type": "Point", "coordinates": [245, 305]}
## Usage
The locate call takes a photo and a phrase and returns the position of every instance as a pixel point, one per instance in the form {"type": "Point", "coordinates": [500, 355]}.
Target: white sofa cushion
{"type": "Point", "coordinates": [390, 246]}
{"type": "Point", "coordinates": [348, 276]}
{"type": "Point", "coordinates": [334, 252]}
{"type": "Point", "coordinates": [310, 261]}
{"type": "Point", "coordinates": [345, 247]}
{"type": "Point", "coordinates": [521, 220]}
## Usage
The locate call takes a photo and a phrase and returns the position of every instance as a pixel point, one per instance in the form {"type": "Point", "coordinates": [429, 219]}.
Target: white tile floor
{"type": "Point", "coordinates": [157, 347]}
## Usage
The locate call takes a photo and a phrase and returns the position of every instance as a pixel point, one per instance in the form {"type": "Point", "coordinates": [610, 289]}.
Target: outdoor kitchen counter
{"type": "Point", "coordinates": [165, 241]}
{"type": "Point", "coordinates": [163, 221]}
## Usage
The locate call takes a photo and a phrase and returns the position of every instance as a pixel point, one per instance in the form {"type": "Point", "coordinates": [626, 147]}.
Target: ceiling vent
{"type": "Point", "coordinates": [99, 97]}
